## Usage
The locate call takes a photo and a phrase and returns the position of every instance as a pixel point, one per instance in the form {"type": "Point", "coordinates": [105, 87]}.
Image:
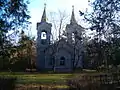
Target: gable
{"type": "Point", "coordinates": [63, 53]}
{"type": "Point", "coordinates": [61, 44]}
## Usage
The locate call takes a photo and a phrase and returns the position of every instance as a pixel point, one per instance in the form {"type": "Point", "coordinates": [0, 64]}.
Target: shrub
{"type": "Point", "coordinates": [89, 82]}
{"type": "Point", "coordinates": [7, 83]}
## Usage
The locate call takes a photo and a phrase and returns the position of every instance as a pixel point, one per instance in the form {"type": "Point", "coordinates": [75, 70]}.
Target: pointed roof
{"type": "Point", "coordinates": [43, 19]}
{"type": "Point", "coordinates": [73, 21]}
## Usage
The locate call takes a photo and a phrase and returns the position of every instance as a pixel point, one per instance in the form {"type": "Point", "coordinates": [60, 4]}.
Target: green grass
{"type": "Point", "coordinates": [38, 78]}
{"type": "Point", "coordinates": [25, 78]}
{"type": "Point", "coordinates": [45, 80]}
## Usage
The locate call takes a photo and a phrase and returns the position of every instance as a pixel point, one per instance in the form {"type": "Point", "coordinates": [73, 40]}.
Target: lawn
{"type": "Point", "coordinates": [29, 78]}
{"type": "Point", "coordinates": [43, 79]}
{"type": "Point", "coordinates": [32, 80]}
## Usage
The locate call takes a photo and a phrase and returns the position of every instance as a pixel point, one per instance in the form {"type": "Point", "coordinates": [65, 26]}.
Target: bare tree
{"type": "Point", "coordinates": [59, 21]}
{"type": "Point", "coordinates": [78, 49]}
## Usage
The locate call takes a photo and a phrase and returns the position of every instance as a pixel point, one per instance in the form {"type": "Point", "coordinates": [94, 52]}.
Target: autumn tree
{"type": "Point", "coordinates": [25, 53]}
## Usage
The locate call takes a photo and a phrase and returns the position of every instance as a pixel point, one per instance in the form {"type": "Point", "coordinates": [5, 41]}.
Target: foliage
{"type": "Point", "coordinates": [104, 20]}
{"type": "Point", "coordinates": [13, 16]}
{"type": "Point", "coordinates": [7, 83]}
{"type": "Point", "coordinates": [105, 16]}
{"type": "Point", "coordinates": [24, 56]}
{"type": "Point", "coordinates": [100, 81]}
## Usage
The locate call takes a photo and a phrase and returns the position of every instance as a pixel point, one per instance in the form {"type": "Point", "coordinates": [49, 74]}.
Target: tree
{"type": "Point", "coordinates": [59, 21]}
{"type": "Point", "coordinates": [104, 19]}
{"type": "Point", "coordinates": [78, 45]}
{"type": "Point", "coordinates": [13, 17]}
{"type": "Point", "coordinates": [24, 56]}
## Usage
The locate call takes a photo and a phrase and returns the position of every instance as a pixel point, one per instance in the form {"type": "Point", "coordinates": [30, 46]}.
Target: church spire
{"type": "Point", "coordinates": [43, 19]}
{"type": "Point", "coordinates": [73, 21]}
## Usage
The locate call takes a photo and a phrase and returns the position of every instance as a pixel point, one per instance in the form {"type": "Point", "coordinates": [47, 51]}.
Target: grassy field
{"type": "Point", "coordinates": [29, 78]}
{"type": "Point", "coordinates": [43, 79]}
{"type": "Point", "coordinates": [35, 80]}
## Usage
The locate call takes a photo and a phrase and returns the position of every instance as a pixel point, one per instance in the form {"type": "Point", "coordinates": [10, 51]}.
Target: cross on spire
{"type": "Point", "coordinates": [43, 19]}
{"type": "Point", "coordinates": [44, 5]}
{"type": "Point", "coordinates": [73, 8]}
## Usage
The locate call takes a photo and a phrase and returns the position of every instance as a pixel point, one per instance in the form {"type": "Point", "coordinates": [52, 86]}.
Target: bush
{"type": "Point", "coordinates": [19, 65]}
{"type": "Point", "coordinates": [89, 82]}
{"type": "Point", "coordinates": [7, 83]}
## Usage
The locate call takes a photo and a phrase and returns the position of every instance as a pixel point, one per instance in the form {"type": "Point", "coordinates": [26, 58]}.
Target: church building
{"type": "Point", "coordinates": [63, 55]}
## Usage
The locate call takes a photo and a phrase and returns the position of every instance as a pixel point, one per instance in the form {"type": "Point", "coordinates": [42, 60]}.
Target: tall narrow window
{"type": "Point", "coordinates": [51, 60]}
{"type": "Point", "coordinates": [43, 35]}
{"type": "Point", "coordinates": [62, 61]}
{"type": "Point", "coordinates": [73, 37]}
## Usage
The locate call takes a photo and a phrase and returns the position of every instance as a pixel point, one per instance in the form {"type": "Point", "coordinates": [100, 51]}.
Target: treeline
{"type": "Point", "coordinates": [102, 50]}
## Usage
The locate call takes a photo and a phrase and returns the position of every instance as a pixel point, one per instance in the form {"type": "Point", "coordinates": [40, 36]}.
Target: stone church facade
{"type": "Point", "coordinates": [63, 55]}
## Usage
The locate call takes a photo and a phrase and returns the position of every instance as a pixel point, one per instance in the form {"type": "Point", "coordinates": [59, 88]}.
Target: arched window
{"type": "Point", "coordinates": [62, 61]}
{"type": "Point", "coordinates": [43, 35]}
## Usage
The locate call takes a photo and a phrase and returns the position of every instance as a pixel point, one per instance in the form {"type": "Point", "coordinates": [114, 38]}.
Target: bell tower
{"type": "Point", "coordinates": [74, 37]}
{"type": "Point", "coordinates": [73, 29]}
{"type": "Point", "coordinates": [43, 39]}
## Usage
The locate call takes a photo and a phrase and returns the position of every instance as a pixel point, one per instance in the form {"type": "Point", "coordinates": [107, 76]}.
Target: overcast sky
{"type": "Point", "coordinates": [36, 9]}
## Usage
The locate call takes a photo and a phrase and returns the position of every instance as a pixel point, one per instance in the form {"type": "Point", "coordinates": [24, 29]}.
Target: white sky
{"type": "Point", "coordinates": [36, 9]}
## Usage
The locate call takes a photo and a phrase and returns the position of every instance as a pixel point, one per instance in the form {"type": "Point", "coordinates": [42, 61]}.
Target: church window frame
{"type": "Point", "coordinates": [44, 35]}
{"type": "Point", "coordinates": [51, 60]}
{"type": "Point", "coordinates": [73, 37]}
{"type": "Point", "coordinates": [62, 61]}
